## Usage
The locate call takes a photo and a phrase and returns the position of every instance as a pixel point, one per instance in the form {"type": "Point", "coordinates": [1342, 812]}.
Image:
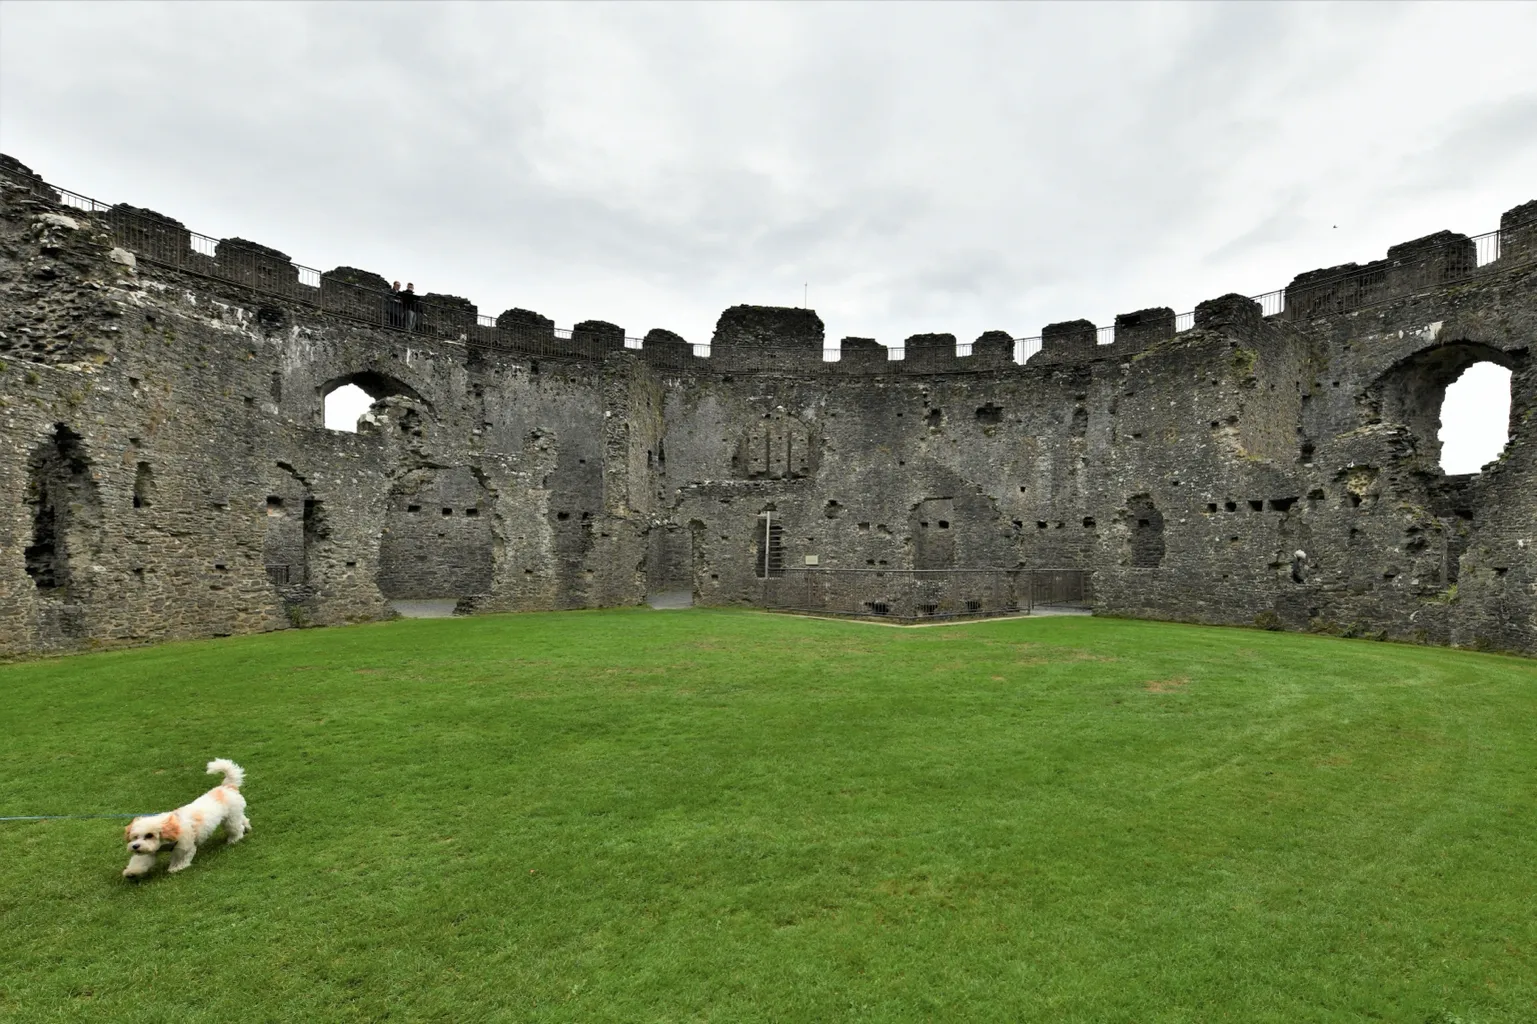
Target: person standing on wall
{"type": "Point", "coordinates": [396, 313]}
{"type": "Point", "coordinates": [408, 304]}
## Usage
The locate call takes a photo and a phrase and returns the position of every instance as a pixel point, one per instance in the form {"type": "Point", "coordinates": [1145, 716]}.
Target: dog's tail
{"type": "Point", "coordinates": [234, 775]}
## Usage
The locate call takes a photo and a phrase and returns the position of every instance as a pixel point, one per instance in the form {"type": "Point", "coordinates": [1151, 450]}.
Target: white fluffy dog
{"type": "Point", "coordinates": [181, 830]}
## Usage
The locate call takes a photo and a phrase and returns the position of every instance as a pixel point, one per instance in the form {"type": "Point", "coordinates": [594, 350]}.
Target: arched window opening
{"type": "Point", "coordinates": [344, 406]}
{"type": "Point", "coordinates": [1454, 398]}
{"type": "Point", "coordinates": [345, 399]}
{"type": "Point", "coordinates": [1475, 418]}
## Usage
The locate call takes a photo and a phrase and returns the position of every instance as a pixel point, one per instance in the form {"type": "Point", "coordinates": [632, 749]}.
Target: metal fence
{"type": "Point", "coordinates": [1059, 588]}
{"type": "Point", "coordinates": [366, 298]}
{"type": "Point", "coordinates": [916, 595]}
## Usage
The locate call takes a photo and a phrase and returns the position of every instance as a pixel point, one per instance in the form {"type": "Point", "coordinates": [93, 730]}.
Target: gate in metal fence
{"type": "Point", "coordinates": [1059, 588]}
{"type": "Point", "coordinates": [916, 595]}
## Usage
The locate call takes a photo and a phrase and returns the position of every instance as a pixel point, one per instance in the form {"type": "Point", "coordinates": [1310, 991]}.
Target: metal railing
{"type": "Point", "coordinates": [1326, 292]}
{"type": "Point", "coordinates": [365, 298]}
{"type": "Point", "coordinates": [916, 595]}
{"type": "Point", "coordinates": [1487, 248]}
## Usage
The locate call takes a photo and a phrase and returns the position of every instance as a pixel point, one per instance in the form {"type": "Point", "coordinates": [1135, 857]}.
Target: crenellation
{"type": "Point", "coordinates": [992, 350]}
{"type": "Point", "coordinates": [526, 331]}
{"type": "Point", "coordinates": [862, 355]}
{"type": "Point", "coordinates": [356, 293]}
{"type": "Point", "coordinates": [1433, 260]}
{"type": "Point", "coordinates": [929, 353]}
{"type": "Point", "coordinates": [149, 233]}
{"type": "Point", "coordinates": [1235, 314]}
{"type": "Point", "coordinates": [526, 321]}
{"type": "Point", "coordinates": [1069, 341]}
{"type": "Point", "coordinates": [1336, 289]}
{"type": "Point", "coordinates": [447, 316]}
{"type": "Point", "coordinates": [596, 338]}
{"type": "Point", "coordinates": [1518, 232]}
{"type": "Point", "coordinates": [664, 348]}
{"type": "Point", "coordinates": [263, 268]}
{"type": "Point", "coordinates": [1135, 331]}
{"type": "Point", "coordinates": [19, 175]}
{"type": "Point", "coordinates": [169, 474]}
{"type": "Point", "coordinates": [771, 338]}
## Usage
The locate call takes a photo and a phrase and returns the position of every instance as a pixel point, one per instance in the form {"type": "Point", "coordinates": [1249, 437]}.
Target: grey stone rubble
{"type": "Point", "coordinates": [165, 472]}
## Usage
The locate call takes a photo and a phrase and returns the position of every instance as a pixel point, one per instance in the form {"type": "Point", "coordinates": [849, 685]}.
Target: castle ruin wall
{"type": "Point", "coordinates": [165, 471]}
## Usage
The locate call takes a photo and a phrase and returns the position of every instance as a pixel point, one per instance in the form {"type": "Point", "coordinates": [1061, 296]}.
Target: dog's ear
{"type": "Point", "coordinates": [127, 832]}
{"type": "Point", "coordinates": [170, 829]}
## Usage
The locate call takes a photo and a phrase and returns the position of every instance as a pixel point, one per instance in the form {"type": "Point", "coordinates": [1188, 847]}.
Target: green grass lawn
{"type": "Point", "coordinates": [729, 816]}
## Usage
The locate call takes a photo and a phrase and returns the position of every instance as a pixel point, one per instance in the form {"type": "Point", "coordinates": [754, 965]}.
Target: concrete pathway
{"type": "Point", "coordinates": [967, 620]}
{"type": "Point", "coordinates": [436, 609]}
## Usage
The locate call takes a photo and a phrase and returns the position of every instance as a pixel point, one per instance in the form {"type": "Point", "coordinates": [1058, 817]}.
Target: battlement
{"type": "Point", "coordinates": [762, 339]}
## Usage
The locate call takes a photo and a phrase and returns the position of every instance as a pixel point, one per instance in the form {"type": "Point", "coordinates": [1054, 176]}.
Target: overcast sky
{"type": "Point", "coordinates": [913, 167]}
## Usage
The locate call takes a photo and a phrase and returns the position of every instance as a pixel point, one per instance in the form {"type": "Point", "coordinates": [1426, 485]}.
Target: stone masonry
{"type": "Point", "coordinates": [165, 472]}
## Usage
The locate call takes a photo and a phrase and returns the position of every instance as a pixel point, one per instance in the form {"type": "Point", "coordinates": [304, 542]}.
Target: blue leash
{"type": "Point", "coordinates": [57, 817]}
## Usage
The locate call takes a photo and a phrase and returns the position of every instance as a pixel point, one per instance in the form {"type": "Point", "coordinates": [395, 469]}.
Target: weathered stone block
{"type": "Point", "coordinates": [865, 355]}
{"type": "Point", "coordinates": [447, 316]}
{"type": "Point", "coordinates": [992, 349]}
{"type": "Point", "coordinates": [1136, 331]}
{"type": "Point", "coordinates": [1236, 314]}
{"type": "Point", "coordinates": [151, 235]}
{"type": "Point", "coordinates": [255, 266]}
{"type": "Point", "coordinates": [1518, 232]}
{"type": "Point", "coordinates": [1430, 261]}
{"type": "Point", "coordinates": [1334, 289]}
{"type": "Point", "coordinates": [358, 293]}
{"type": "Point", "coordinates": [525, 330]}
{"type": "Point", "coordinates": [596, 337]}
{"type": "Point", "coordinates": [18, 173]}
{"type": "Point", "coordinates": [767, 337]}
{"type": "Point", "coordinates": [665, 349]}
{"type": "Point", "coordinates": [929, 353]}
{"type": "Point", "coordinates": [1069, 340]}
